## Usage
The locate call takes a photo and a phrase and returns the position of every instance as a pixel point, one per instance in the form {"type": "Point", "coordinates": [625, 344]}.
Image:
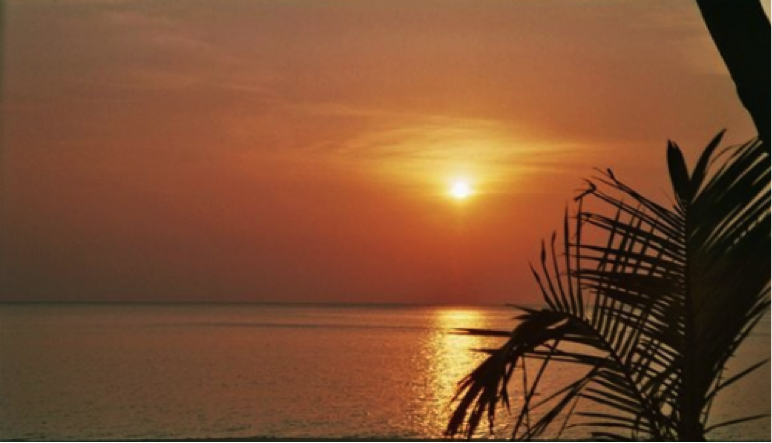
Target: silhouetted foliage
{"type": "Point", "coordinates": [740, 29]}
{"type": "Point", "coordinates": [651, 310]}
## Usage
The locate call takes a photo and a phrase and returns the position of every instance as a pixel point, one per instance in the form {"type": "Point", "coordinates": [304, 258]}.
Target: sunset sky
{"type": "Point", "coordinates": [304, 150]}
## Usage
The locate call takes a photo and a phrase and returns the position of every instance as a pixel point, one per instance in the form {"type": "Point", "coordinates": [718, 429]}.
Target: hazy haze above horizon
{"type": "Point", "coordinates": [302, 150]}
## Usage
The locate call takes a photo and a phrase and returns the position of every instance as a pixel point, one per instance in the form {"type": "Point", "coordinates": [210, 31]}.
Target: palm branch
{"type": "Point", "coordinates": [652, 311]}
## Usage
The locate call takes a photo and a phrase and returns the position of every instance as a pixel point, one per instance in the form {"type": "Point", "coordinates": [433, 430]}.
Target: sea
{"type": "Point", "coordinates": [271, 371]}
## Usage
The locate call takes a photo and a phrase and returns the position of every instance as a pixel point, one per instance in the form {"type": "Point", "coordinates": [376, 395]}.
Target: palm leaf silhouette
{"type": "Point", "coordinates": [652, 311]}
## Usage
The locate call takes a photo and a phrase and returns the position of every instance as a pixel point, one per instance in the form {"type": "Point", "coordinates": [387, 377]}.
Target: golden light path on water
{"type": "Point", "coordinates": [447, 357]}
{"type": "Point", "coordinates": [453, 352]}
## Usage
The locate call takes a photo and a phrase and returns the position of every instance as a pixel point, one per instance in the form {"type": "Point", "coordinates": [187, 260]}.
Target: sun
{"type": "Point", "coordinates": [460, 189]}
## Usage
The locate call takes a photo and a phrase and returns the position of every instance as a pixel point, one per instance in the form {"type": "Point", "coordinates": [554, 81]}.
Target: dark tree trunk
{"type": "Point", "coordinates": [740, 30]}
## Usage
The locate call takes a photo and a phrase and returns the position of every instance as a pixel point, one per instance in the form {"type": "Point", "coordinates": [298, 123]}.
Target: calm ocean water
{"type": "Point", "coordinates": [115, 372]}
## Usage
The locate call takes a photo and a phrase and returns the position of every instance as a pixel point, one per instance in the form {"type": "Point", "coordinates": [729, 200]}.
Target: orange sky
{"type": "Point", "coordinates": [302, 150]}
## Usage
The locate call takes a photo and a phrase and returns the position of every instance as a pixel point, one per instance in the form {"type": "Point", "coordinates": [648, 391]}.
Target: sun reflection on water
{"type": "Point", "coordinates": [447, 357]}
{"type": "Point", "coordinates": [454, 357]}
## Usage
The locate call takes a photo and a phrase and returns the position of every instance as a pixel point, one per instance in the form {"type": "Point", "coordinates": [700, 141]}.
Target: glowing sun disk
{"type": "Point", "coordinates": [460, 189]}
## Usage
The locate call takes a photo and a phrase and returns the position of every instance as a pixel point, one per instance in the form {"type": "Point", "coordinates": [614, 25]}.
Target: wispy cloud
{"type": "Point", "coordinates": [122, 47]}
{"type": "Point", "coordinates": [412, 148]}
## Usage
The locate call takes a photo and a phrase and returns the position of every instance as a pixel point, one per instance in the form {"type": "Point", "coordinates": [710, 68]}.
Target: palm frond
{"type": "Point", "coordinates": [642, 303]}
